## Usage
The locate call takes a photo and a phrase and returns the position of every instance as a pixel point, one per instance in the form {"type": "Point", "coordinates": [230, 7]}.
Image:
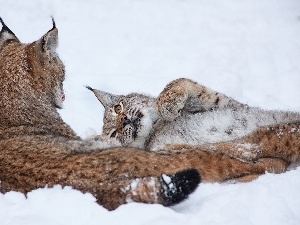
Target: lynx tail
{"type": "Point", "coordinates": [177, 187]}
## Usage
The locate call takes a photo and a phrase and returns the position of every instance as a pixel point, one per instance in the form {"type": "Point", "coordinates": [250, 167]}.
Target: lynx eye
{"type": "Point", "coordinates": [118, 108]}
{"type": "Point", "coordinates": [113, 133]}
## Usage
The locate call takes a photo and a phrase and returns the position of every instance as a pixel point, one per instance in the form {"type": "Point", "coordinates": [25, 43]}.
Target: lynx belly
{"type": "Point", "coordinates": [215, 126]}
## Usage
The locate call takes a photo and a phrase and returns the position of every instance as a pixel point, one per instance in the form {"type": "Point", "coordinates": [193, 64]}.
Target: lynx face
{"type": "Point", "coordinates": [51, 68]}
{"type": "Point", "coordinates": [128, 119]}
{"type": "Point", "coordinates": [55, 73]}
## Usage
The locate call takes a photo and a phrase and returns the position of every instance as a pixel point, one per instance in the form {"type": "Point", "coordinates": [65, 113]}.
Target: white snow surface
{"type": "Point", "coordinates": [247, 49]}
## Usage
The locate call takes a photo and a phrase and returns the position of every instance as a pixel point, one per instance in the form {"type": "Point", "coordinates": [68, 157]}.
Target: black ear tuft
{"type": "Point", "coordinates": [88, 87]}
{"type": "Point", "coordinates": [106, 99]}
{"type": "Point", "coordinates": [6, 33]}
{"type": "Point", "coordinates": [5, 28]}
{"type": "Point", "coordinates": [177, 187]}
{"type": "Point", "coordinates": [49, 41]}
{"type": "Point", "coordinates": [53, 22]}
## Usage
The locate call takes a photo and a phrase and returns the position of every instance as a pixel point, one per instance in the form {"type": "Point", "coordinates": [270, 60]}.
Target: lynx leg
{"type": "Point", "coordinates": [244, 152]}
{"type": "Point", "coordinates": [278, 142]}
{"type": "Point", "coordinates": [271, 165]}
{"type": "Point", "coordinates": [185, 94]}
{"type": "Point", "coordinates": [171, 101]}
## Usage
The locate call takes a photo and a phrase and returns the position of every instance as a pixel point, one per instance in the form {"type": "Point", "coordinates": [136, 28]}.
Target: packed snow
{"type": "Point", "coordinates": [247, 49]}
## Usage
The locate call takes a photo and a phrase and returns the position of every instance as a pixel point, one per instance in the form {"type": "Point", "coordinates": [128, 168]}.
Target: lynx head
{"type": "Point", "coordinates": [31, 79]}
{"type": "Point", "coordinates": [31, 71]}
{"type": "Point", "coordinates": [128, 119]}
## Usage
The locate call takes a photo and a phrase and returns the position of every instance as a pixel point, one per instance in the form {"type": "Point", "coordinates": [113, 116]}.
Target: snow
{"type": "Point", "coordinates": [166, 178]}
{"type": "Point", "coordinates": [247, 49]}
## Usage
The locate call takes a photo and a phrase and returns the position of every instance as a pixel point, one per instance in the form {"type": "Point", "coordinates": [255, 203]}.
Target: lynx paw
{"type": "Point", "coordinates": [273, 165]}
{"type": "Point", "coordinates": [171, 102]}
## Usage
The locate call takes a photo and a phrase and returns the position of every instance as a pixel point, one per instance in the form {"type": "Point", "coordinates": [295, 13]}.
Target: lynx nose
{"type": "Point", "coordinates": [63, 97]}
{"type": "Point", "coordinates": [125, 121]}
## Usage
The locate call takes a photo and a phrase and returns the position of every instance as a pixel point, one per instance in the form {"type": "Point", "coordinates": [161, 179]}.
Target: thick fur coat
{"type": "Point", "coordinates": [37, 148]}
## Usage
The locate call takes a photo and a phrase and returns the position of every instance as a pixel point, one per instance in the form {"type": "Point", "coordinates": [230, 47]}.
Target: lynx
{"type": "Point", "coordinates": [184, 113]}
{"type": "Point", "coordinates": [37, 148]}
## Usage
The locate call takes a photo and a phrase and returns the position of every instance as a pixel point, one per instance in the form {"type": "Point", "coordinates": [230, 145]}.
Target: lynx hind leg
{"type": "Point", "coordinates": [185, 94]}
{"type": "Point", "coordinates": [270, 165]}
{"type": "Point", "coordinates": [166, 189]}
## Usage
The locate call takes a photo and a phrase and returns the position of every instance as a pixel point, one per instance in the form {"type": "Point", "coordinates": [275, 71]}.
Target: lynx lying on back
{"type": "Point", "coordinates": [184, 113]}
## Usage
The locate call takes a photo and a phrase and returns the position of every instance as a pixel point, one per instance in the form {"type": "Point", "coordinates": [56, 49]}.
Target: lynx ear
{"type": "Point", "coordinates": [49, 42]}
{"type": "Point", "coordinates": [6, 34]}
{"type": "Point", "coordinates": [106, 99]}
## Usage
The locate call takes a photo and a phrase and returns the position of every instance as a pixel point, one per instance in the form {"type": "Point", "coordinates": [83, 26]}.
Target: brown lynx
{"type": "Point", "coordinates": [37, 148]}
